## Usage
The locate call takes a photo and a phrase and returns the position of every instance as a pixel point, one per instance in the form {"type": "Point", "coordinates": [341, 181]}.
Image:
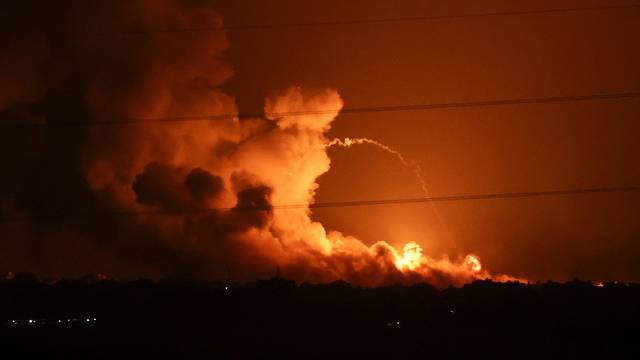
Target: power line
{"type": "Point", "coordinates": [386, 20]}
{"type": "Point", "coordinates": [470, 197]}
{"type": "Point", "coordinates": [335, 204]}
{"type": "Point", "coordinates": [374, 20]}
{"type": "Point", "coordinates": [345, 111]}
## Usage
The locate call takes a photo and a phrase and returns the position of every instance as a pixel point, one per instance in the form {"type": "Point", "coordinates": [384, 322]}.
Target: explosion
{"type": "Point", "coordinates": [473, 263]}
{"type": "Point", "coordinates": [266, 165]}
{"type": "Point", "coordinates": [207, 190]}
{"type": "Point", "coordinates": [411, 257]}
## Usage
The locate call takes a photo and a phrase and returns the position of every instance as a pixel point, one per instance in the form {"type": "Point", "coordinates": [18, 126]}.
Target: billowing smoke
{"type": "Point", "coordinates": [178, 197]}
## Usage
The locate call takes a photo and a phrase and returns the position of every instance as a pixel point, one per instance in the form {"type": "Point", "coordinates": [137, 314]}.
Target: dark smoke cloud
{"type": "Point", "coordinates": [168, 187]}
{"type": "Point", "coordinates": [87, 61]}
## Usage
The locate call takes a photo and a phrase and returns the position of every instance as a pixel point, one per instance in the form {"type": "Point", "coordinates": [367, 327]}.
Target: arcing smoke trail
{"type": "Point", "coordinates": [413, 166]}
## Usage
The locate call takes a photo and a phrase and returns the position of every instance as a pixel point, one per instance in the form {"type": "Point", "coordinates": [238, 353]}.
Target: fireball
{"type": "Point", "coordinates": [411, 257]}
{"type": "Point", "coordinates": [473, 263]}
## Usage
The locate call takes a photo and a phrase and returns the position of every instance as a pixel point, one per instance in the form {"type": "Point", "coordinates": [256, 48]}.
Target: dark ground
{"type": "Point", "coordinates": [217, 320]}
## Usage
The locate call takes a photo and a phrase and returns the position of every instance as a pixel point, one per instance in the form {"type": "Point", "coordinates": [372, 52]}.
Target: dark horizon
{"type": "Point", "coordinates": [277, 317]}
{"type": "Point", "coordinates": [276, 275]}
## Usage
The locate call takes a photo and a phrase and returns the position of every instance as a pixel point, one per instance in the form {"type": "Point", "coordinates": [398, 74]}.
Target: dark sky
{"type": "Point", "coordinates": [461, 151]}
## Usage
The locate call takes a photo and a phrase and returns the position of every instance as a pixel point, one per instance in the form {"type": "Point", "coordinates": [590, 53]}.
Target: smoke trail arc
{"type": "Point", "coordinates": [413, 166]}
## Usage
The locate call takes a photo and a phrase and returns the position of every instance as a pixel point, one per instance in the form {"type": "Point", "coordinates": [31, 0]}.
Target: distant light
{"type": "Point", "coordinates": [226, 288]}
{"type": "Point", "coordinates": [30, 321]}
{"type": "Point", "coordinates": [94, 319]}
{"type": "Point", "coordinates": [88, 319]}
{"type": "Point", "coordinates": [451, 311]}
{"type": "Point", "coordinates": [13, 321]}
{"type": "Point", "coordinates": [59, 321]}
{"type": "Point", "coordinates": [397, 322]}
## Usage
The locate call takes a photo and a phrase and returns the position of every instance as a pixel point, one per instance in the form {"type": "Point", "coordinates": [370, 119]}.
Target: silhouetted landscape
{"type": "Point", "coordinates": [189, 317]}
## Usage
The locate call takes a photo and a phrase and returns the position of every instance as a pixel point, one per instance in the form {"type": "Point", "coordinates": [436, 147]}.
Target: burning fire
{"type": "Point", "coordinates": [473, 263]}
{"type": "Point", "coordinates": [411, 257]}
{"type": "Point", "coordinates": [412, 260]}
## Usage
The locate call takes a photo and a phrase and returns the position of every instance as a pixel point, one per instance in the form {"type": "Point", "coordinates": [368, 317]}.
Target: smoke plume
{"type": "Point", "coordinates": [149, 198]}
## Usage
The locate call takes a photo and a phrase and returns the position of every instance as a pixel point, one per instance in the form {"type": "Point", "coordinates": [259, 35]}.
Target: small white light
{"type": "Point", "coordinates": [94, 319]}
{"type": "Point", "coordinates": [30, 321]}
{"type": "Point", "coordinates": [88, 320]}
{"type": "Point", "coordinates": [397, 322]}
{"type": "Point", "coordinates": [226, 288]}
{"type": "Point", "coordinates": [59, 321]}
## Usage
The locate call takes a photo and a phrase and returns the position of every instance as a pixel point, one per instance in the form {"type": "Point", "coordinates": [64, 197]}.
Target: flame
{"type": "Point", "coordinates": [411, 257]}
{"type": "Point", "coordinates": [473, 263]}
